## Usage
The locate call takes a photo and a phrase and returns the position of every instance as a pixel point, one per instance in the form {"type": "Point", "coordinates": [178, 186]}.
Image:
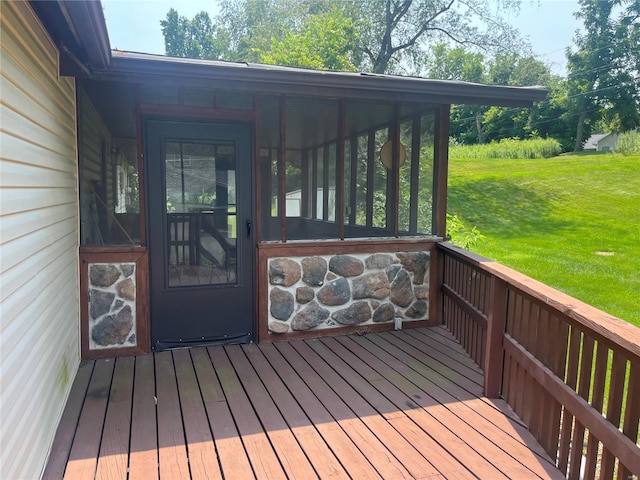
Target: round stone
{"type": "Point", "coordinates": [304, 294]}
{"type": "Point", "coordinates": [417, 310]}
{"type": "Point", "coordinates": [417, 263]}
{"type": "Point", "coordinates": [278, 327]}
{"type": "Point", "coordinates": [281, 303]}
{"type": "Point", "coordinates": [103, 275]}
{"type": "Point", "coordinates": [401, 291]}
{"type": "Point", "coordinates": [336, 292]}
{"type": "Point", "coordinates": [378, 260]}
{"type": "Point", "coordinates": [126, 289]}
{"type": "Point", "coordinates": [283, 271]}
{"type": "Point", "coordinates": [314, 270]}
{"type": "Point", "coordinates": [113, 329]}
{"type": "Point", "coordinates": [354, 314]}
{"type": "Point", "coordinates": [100, 302]}
{"type": "Point", "coordinates": [384, 313]}
{"type": "Point", "coordinates": [127, 269]}
{"type": "Point", "coordinates": [372, 285]}
{"type": "Point", "coordinates": [346, 266]}
{"type": "Point", "coordinates": [309, 317]}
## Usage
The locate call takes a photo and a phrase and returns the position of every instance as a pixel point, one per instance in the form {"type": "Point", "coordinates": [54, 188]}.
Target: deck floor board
{"type": "Point", "coordinates": [112, 459]}
{"type": "Point", "coordinates": [83, 458]}
{"type": "Point", "coordinates": [391, 405]}
{"type": "Point", "coordinates": [143, 443]}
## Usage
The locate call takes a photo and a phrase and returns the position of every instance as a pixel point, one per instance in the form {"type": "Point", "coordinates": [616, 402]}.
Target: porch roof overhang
{"type": "Point", "coordinates": [80, 32]}
{"type": "Point", "coordinates": [159, 69]}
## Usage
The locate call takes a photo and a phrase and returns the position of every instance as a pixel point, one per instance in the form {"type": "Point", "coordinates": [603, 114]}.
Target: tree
{"type": "Point", "coordinates": [447, 63]}
{"type": "Point", "coordinates": [243, 30]}
{"type": "Point", "coordinates": [390, 33]}
{"type": "Point", "coordinates": [476, 123]}
{"type": "Point", "coordinates": [516, 70]}
{"type": "Point", "coordinates": [603, 71]}
{"type": "Point", "coordinates": [196, 38]}
{"type": "Point", "coordinates": [395, 31]}
{"type": "Point", "coordinates": [325, 42]}
{"type": "Point", "coordinates": [551, 118]}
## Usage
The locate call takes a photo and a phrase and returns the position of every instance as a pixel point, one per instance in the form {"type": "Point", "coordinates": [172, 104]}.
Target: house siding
{"type": "Point", "coordinates": [92, 138]}
{"type": "Point", "coordinates": [608, 143]}
{"type": "Point", "coordinates": [39, 328]}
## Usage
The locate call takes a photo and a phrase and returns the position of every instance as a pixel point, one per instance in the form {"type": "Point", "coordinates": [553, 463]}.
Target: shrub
{"type": "Point", "coordinates": [628, 143]}
{"type": "Point", "coordinates": [460, 234]}
{"type": "Point", "coordinates": [509, 148]}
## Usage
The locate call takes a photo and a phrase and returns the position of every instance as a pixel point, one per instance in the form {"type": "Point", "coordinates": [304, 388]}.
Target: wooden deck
{"type": "Point", "coordinates": [392, 405]}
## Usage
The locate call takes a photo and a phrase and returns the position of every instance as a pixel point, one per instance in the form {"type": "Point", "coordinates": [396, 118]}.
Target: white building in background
{"type": "Point", "coordinates": [601, 142]}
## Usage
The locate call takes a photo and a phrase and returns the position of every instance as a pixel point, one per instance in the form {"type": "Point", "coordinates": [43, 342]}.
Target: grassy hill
{"type": "Point", "coordinates": [572, 222]}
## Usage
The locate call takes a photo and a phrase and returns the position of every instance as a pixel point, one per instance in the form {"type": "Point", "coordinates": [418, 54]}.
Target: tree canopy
{"type": "Point", "coordinates": [383, 36]}
{"type": "Point", "coordinates": [604, 75]}
{"type": "Point", "coordinates": [446, 39]}
{"type": "Point", "coordinates": [327, 41]}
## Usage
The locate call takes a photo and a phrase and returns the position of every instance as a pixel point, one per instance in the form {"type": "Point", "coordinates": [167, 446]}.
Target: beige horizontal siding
{"type": "Point", "coordinates": [39, 287]}
{"type": "Point", "coordinates": [92, 134]}
{"type": "Point", "coordinates": [16, 226]}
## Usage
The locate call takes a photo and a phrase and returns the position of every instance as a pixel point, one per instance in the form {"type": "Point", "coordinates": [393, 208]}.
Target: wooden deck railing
{"type": "Point", "coordinates": [570, 371]}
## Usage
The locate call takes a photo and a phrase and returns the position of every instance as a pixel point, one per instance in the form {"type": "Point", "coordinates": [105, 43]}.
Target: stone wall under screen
{"type": "Point", "coordinates": [112, 305]}
{"type": "Point", "coordinates": [330, 291]}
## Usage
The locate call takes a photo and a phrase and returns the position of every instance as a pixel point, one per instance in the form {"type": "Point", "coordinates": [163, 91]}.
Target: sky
{"type": "Point", "coordinates": [134, 25]}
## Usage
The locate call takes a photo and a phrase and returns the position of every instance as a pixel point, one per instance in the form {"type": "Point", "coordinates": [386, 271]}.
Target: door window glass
{"type": "Point", "coordinates": [200, 193]}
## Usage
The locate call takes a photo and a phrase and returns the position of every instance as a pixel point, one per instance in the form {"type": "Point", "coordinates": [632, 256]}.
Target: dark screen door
{"type": "Point", "coordinates": [200, 237]}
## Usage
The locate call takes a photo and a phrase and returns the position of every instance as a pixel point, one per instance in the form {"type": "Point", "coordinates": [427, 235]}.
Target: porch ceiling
{"type": "Point", "coordinates": [392, 405]}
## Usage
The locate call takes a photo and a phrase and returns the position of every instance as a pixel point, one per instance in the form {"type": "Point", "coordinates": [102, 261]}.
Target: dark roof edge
{"type": "Point", "coordinates": [287, 79]}
{"type": "Point", "coordinates": [91, 25]}
{"type": "Point", "coordinates": [79, 30]}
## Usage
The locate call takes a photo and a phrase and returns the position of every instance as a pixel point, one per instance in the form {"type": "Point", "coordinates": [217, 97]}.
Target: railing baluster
{"type": "Point", "coordinates": [614, 407]}
{"type": "Point", "coordinates": [571, 380]}
{"type": "Point", "coordinates": [560, 362]}
{"type": "Point", "coordinates": [599, 380]}
{"type": "Point", "coordinates": [631, 413]}
{"type": "Point", "coordinates": [586, 364]}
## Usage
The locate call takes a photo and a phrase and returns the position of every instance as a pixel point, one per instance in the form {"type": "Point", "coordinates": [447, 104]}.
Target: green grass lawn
{"type": "Point", "coordinates": [572, 222]}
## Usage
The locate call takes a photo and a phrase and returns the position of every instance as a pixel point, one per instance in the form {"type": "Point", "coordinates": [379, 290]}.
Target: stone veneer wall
{"type": "Point", "coordinates": [329, 291]}
{"type": "Point", "coordinates": [112, 305]}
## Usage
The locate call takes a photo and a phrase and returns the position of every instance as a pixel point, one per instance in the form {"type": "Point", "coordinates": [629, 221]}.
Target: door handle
{"type": "Point", "coordinates": [248, 229]}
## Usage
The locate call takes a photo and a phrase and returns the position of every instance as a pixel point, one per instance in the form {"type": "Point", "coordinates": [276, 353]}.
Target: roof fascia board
{"type": "Point", "coordinates": [158, 69]}
{"type": "Point", "coordinates": [79, 30]}
{"type": "Point", "coordinates": [88, 22]}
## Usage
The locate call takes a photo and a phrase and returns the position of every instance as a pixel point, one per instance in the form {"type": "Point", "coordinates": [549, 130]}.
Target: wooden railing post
{"type": "Point", "coordinates": [439, 303]}
{"type": "Point", "coordinates": [496, 320]}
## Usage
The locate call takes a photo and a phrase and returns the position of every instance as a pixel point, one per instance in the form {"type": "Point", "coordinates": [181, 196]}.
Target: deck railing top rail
{"type": "Point", "coordinates": [614, 329]}
{"type": "Point", "coordinates": [569, 370]}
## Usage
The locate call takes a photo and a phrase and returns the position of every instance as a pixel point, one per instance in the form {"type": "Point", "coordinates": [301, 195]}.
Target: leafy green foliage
{"type": "Point", "coordinates": [387, 33]}
{"type": "Point", "coordinates": [460, 234]}
{"type": "Point", "coordinates": [472, 124]}
{"type": "Point", "coordinates": [325, 42]}
{"type": "Point", "coordinates": [402, 32]}
{"type": "Point", "coordinates": [569, 221]}
{"type": "Point", "coordinates": [628, 143]}
{"type": "Point", "coordinates": [604, 84]}
{"type": "Point", "coordinates": [195, 38]}
{"type": "Point", "coordinates": [508, 148]}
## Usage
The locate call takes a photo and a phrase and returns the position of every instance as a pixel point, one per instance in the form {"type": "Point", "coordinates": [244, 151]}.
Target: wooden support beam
{"type": "Point", "coordinates": [282, 168]}
{"type": "Point", "coordinates": [340, 204]}
{"type": "Point", "coordinates": [440, 171]}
